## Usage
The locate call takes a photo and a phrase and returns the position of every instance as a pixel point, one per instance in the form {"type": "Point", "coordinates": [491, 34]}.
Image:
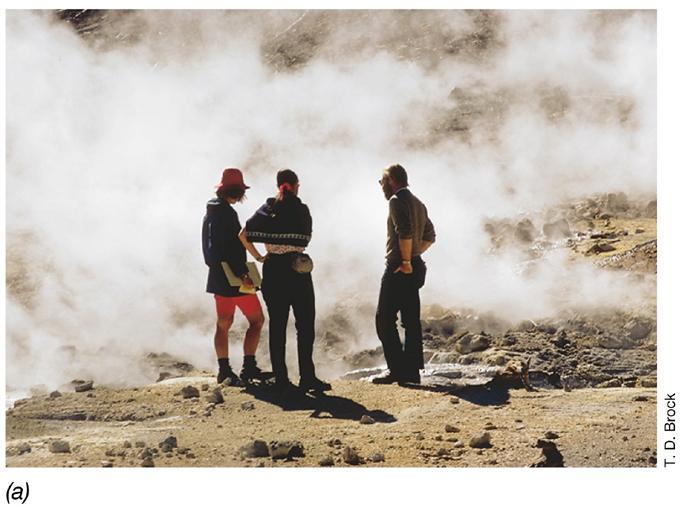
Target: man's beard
{"type": "Point", "coordinates": [388, 192]}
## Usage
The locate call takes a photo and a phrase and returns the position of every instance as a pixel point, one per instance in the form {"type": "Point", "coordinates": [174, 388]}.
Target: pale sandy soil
{"type": "Point", "coordinates": [595, 427]}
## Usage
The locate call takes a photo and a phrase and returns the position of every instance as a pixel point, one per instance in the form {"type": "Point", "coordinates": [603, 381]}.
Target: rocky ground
{"type": "Point", "coordinates": [188, 421]}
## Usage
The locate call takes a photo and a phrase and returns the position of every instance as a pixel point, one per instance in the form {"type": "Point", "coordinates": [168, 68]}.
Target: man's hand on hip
{"type": "Point", "coordinates": [405, 267]}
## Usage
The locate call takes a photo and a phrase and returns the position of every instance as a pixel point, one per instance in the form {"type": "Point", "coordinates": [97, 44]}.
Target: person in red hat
{"type": "Point", "coordinates": [220, 244]}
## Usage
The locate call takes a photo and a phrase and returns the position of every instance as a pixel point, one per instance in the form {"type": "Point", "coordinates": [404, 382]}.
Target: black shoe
{"type": "Point", "coordinates": [315, 385]}
{"type": "Point", "coordinates": [389, 378]}
{"type": "Point", "coordinates": [410, 378]}
{"type": "Point", "coordinates": [252, 372]}
{"type": "Point", "coordinates": [228, 377]}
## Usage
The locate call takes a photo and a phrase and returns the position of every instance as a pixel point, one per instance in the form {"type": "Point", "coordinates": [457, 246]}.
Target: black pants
{"type": "Point", "coordinates": [400, 293]}
{"type": "Point", "coordinates": [283, 288]}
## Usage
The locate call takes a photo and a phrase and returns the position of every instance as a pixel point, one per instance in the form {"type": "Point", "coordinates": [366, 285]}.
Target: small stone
{"type": "Point", "coordinates": [215, 397]}
{"type": "Point", "coordinates": [454, 400]}
{"type": "Point", "coordinates": [451, 429]}
{"type": "Point", "coordinates": [639, 231]}
{"type": "Point", "coordinates": [55, 394]}
{"type": "Point", "coordinates": [17, 450]}
{"type": "Point", "coordinates": [640, 398]}
{"type": "Point", "coordinates": [350, 456]}
{"type": "Point", "coordinates": [107, 463]}
{"type": "Point", "coordinates": [438, 437]}
{"type": "Point", "coordinates": [551, 435]}
{"type": "Point", "coordinates": [204, 387]}
{"type": "Point", "coordinates": [147, 462]}
{"type": "Point", "coordinates": [377, 457]}
{"type": "Point", "coordinates": [140, 444]}
{"type": "Point", "coordinates": [551, 457]}
{"type": "Point", "coordinates": [257, 448]}
{"type": "Point", "coordinates": [191, 456]}
{"type": "Point", "coordinates": [85, 386]}
{"type": "Point", "coordinates": [168, 444]}
{"type": "Point", "coordinates": [326, 461]}
{"type": "Point", "coordinates": [59, 446]}
{"type": "Point", "coordinates": [189, 392]}
{"type": "Point", "coordinates": [647, 382]}
{"type": "Point", "coordinates": [489, 426]}
{"type": "Point", "coordinates": [286, 449]}
{"type": "Point", "coordinates": [367, 420]}
{"type": "Point", "coordinates": [419, 436]}
{"type": "Point", "coordinates": [248, 406]}
{"type": "Point", "coordinates": [458, 444]}
{"type": "Point", "coordinates": [127, 444]}
{"type": "Point", "coordinates": [480, 440]}
{"type": "Point", "coordinates": [443, 452]}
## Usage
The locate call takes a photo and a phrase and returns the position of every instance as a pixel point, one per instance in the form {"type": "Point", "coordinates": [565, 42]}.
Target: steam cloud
{"type": "Point", "coordinates": [114, 144]}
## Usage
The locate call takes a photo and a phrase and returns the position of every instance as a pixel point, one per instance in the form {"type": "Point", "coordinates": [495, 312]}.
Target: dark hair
{"type": "Point", "coordinates": [398, 173]}
{"type": "Point", "coordinates": [285, 177]}
{"type": "Point", "coordinates": [237, 193]}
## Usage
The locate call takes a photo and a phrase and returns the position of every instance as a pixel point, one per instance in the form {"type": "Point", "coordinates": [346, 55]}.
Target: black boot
{"type": "Point", "coordinates": [225, 373]}
{"type": "Point", "coordinates": [314, 384]}
{"type": "Point", "coordinates": [250, 370]}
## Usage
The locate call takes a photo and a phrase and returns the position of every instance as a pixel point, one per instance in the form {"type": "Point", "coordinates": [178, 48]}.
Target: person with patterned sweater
{"type": "Point", "coordinates": [284, 225]}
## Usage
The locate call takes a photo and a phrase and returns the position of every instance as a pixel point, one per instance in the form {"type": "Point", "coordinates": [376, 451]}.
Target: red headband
{"type": "Point", "coordinates": [286, 186]}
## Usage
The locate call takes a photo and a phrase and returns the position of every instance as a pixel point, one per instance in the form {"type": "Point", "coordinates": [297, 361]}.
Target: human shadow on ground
{"type": "Point", "coordinates": [323, 406]}
{"type": "Point", "coordinates": [484, 394]}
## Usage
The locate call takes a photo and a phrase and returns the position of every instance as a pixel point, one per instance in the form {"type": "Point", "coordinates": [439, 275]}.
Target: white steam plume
{"type": "Point", "coordinates": [113, 150]}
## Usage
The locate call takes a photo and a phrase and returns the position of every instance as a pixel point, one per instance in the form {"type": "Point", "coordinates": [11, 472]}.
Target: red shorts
{"type": "Point", "coordinates": [248, 304]}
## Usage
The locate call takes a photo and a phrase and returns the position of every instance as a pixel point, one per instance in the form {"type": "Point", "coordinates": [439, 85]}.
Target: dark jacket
{"type": "Point", "coordinates": [285, 222]}
{"type": "Point", "coordinates": [220, 242]}
{"type": "Point", "coordinates": [407, 218]}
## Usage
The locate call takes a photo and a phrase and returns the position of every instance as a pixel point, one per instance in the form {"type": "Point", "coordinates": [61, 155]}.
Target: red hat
{"type": "Point", "coordinates": [232, 178]}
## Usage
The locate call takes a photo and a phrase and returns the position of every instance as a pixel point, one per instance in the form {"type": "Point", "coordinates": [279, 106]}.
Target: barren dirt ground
{"type": "Point", "coordinates": [412, 427]}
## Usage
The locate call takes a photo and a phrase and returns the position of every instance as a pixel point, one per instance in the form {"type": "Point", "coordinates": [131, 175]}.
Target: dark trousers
{"type": "Point", "coordinates": [283, 288]}
{"type": "Point", "coordinates": [400, 293]}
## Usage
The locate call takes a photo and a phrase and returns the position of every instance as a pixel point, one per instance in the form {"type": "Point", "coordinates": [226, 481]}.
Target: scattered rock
{"type": "Point", "coordinates": [639, 230]}
{"type": "Point", "coordinates": [107, 463]}
{"type": "Point", "coordinates": [350, 456]}
{"type": "Point", "coordinates": [215, 397]}
{"type": "Point", "coordinates": [140, 444]}
{"type": "Point", "coordinates": [480, 440]}
{"type": "Point", "coordinates": [257, 448]}
{"type": "Point", "coordinates": [454, 400]}
{"type": "Point", "coordinates": [472, 343]}
{"type": "Point", "coordinates": [326, 461]}
{"type": "Point", "coordinates": [147, 462]}
{"type": "Point", "coordinates": [286, 449]}
{"type": "Point", "coordinates": [204, 387]}
{"type": "Point", "coordinates": [248, 406]}
{"type": "Point", "coordinates": [367, 420]}
{"type": "Point", "coordinates": [640, 398]}
{"type": "Point", "coordinates": [59, 446]}
{"type": "Point", "coordinates": [647, 382]}
{"type": "Point", "coordinates": [168, 444]}
{"type": "Point", "coordinates": [83, 386]}
{"type": "Point", "coordinates": [551, 456]}
{"type": "Point", "coordinates": [189, 392]}
{"type": "Point", "coordinates": [638, 329]}
{"type": "Point", "coordinates": [55, 394]}
{"type": "Point", "coordinates": [127, 444]}
{"type": "Point", "coordinates": [458, 444]}
{"type": "Point", "coordinates": [551, 435]}
{"type": "Point", "coordinates": [489, 426]}
{"type": "Point", "coordinates": [451, 429]}
{"type": "Point", "coordinates": [600, 248]}
{"type": "Point", "coordinates": [18, 449]}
